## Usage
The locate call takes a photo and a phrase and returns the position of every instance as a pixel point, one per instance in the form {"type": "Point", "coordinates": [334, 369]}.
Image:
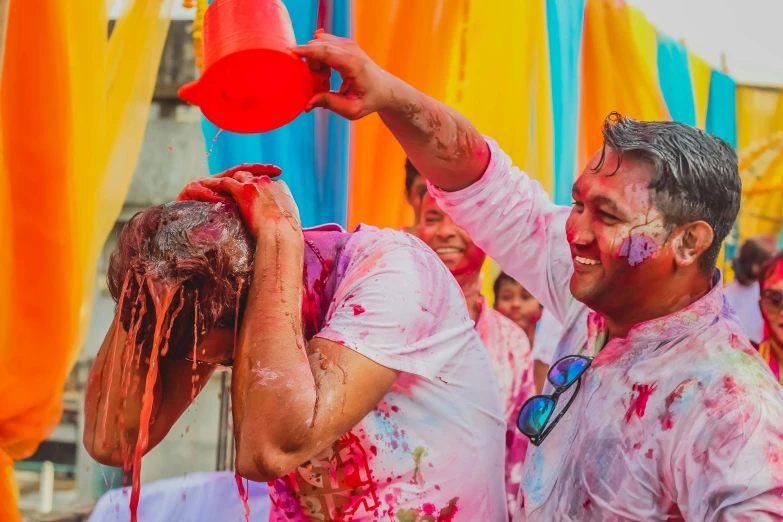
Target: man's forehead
{"type": "Point", "coordinates": [628, 181]}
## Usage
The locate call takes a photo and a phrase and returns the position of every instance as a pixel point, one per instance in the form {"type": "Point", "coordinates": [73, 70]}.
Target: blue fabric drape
{"type": "Point", "coordinates": [313, 149]}
{"type": "Point", "coordinates": [675, 80]}
{"type": "Point", "coordinates": [722, 108]}
{"type": "Point", "coordinates": [564, 27]}
{"type": "Point", "coordinates": [722, 121]}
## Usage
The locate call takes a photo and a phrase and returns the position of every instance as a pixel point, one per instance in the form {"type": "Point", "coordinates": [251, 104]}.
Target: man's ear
{"type": "Point", "coordinates": [690, 241]}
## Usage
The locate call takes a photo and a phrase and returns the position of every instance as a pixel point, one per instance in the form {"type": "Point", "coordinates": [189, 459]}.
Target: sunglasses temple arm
{"type": "Point", "coordinates": [563, 411]}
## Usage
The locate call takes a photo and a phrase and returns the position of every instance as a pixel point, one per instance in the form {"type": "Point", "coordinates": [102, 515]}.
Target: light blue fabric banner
{"type": "Point", "coordinates": [722, 121]}
{"type": "Point", "coordinates": [564, 27]}
{"type": "Point", "coordinates": [675, 79]}
{"type": "Point", "coordinates": [313, 149]}
{"type": "Point", "coordinates": [722, 108]}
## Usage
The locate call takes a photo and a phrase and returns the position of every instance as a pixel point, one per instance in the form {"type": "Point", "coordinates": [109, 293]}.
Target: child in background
{"type": "Point", "coordinates": [516, 303]}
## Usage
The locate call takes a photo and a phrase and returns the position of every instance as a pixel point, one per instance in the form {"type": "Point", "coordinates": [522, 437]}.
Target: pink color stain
{"type": "Point", "coordinates": [244, 495]}
{"type": "Point", "coordinates": [731, 385]}
{"type": "Point", "coordinates": [639, 403]}
{"type": "Point", "coordinates": [637, 248]}
{"type": "Point", "coordinates": [357, 309]}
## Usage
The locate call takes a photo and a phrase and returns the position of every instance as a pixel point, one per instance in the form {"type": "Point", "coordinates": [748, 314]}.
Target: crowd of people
{"type": "Point", "coordinates": [371, 380]}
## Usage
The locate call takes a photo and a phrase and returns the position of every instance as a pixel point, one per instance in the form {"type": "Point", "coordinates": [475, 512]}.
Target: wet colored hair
{"type": "Point", "coordinates": [752, 256]}
{"type": "Point", "coordinates": [499, 281]}
{"type": "Point", "coordinates": [695, 175]}
{"type": "Point", "coordinates": [772, 268]}
{"type": "Point", "coordinates": [201, 247]}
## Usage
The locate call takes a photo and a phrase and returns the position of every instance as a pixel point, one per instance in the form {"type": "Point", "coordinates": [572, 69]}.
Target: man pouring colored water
{"type": "Point", "coordinates": [360, 388]}
{"type": "Point", "coordinates": [660, 409]}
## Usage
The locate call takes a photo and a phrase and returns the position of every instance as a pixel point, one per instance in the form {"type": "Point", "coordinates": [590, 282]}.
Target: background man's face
{"type": "Point", "coordinates": [452, 244]}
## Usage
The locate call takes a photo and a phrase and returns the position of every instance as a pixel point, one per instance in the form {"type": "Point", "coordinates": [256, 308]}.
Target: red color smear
{"type": "Point", "coordinates": [395, 409]}
{"type": "Point", "coordinates": [429, 509]}
{"type": "Point", "coordinates": [586, 504]}
{"type": "Point", "coordinates": [374, 450]}
{"type": "Point", "coordinates": [637, 446]}
{"type": "Point", "coordinates": [667, 422]}
{"type": "Point", "coordinates": [639, 403]}
{"type": "Point", "coordinates": [113, 356]}
{"type": "Point", "coordinates": [447, 514]}
{"type": "Point", "coordinates": [244, 495]}
{"type": "Point", "coordinates": [319, 288]}
{"type": "Point", "coordinates": [649, 454]}
{"type": "Point", "coordinates": [357, 309]}
{"type": "Point", "coordinates": [162, 296]}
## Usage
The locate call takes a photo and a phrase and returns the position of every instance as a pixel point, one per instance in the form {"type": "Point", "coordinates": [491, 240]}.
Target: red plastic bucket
{"type": "Point", "coordinates": [251, 81]}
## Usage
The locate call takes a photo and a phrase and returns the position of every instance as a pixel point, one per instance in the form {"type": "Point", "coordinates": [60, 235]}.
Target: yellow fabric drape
{"type": "Point", "coordinates": [73, 108]}
{"type": "Point", "coordinates": [761, 170]}
{"type": "Point", "coordinates": [411, 39]}
{"type": "Point", "coordinates": [759, 115]}
{"type": "Point", "coordinates": [701, 73]}
{"type": "Point", "coordinates": [619, 73]}
{"type": "Point", "coordinates": [500, 81]}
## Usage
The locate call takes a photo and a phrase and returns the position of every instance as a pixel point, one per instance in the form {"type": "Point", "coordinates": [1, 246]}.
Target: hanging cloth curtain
{"type": "Point", "coordinates": [73, 108]}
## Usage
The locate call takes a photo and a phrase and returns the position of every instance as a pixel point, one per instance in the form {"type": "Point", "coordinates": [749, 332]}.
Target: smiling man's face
{"type": "Point", "coordinates": [617, 236]}
{"type": "Point", "coordinates": [452, 244]}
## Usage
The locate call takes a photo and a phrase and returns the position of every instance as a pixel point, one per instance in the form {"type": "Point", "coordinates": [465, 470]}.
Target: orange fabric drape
{"type": "Point", "coordinates": [73, 109]}
{"type": "Point", "coordinates": [411, 39]}
{"type": "Point", "coordinates": [619, 71]}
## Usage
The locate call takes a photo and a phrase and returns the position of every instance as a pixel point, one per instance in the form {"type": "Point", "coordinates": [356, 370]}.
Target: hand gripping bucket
{"type": "Point", "coordinates": [251, 81]}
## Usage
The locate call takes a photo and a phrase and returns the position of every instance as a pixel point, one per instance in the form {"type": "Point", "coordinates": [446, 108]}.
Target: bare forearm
{"type": "Point", "coordinates": [274, 389]}
{"type": "Point", "coordinates": [443, 145]}
{"type": "Point", "coordinates": [114, 396]}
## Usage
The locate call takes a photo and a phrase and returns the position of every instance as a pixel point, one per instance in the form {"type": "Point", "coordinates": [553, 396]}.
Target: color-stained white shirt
{"type": "Point", "coordinates": [509, 349]}
{"type": "Point", "coordinates": [744, 300]}
{"type": "Point", "coordinates": [680, 420]}
{"type": "Point", "coordinates": [548, 332]}
{"type": "Point", "coordinates": [434, 446]}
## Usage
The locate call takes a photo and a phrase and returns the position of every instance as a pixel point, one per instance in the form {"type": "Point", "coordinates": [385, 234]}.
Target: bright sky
{"type": "Point", "coordinates": [749, 32]}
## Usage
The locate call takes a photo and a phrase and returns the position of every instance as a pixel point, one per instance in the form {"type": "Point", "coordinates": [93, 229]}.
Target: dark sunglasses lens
{"type": "Point", "coordinates": [534, 414]}
{"type": "Point", "coordinates": [566, 370]}
{"type": "Point", "coordinates": [772, 299]}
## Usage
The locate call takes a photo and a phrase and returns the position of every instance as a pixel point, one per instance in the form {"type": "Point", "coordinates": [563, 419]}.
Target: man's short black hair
{"type": "Point", "coordinates": [502, 278]}
{"type": "Point", "coordinates": [695, 174]}
{"type": "Point", "coordinates": [410, 175]}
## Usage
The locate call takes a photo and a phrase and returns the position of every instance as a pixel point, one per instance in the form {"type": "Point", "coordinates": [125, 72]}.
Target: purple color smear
{"type": "Point", "coordinates": [637, 248]}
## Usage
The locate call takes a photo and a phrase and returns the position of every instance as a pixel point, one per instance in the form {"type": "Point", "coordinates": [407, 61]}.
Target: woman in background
{"type": "Point", "coordinates": [771, 305]}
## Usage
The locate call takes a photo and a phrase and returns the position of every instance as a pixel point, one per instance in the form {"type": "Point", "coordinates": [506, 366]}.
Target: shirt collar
{"type": "Point", "coordinates": [696, 315]}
